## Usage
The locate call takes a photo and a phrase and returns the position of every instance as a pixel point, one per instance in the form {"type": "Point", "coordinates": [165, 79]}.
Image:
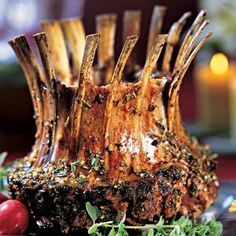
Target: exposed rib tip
{"type": "Point", "coordinates": [130, 37]}
{"type": "Point", "coordinates": [39, 35]}
{"type": "Point", "coordinates": [203, 12]}
{"type": "Point", "coordinates": [186, 15]}
{"type": "Point", "coordinates": [109, 17]}
{"type": "Point", "coordinates": [161, 7]}
{"type": "Point", "coordinates": [96, 35]}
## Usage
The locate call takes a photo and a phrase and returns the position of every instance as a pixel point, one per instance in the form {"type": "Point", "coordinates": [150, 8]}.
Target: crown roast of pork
{"type": "Point", "coordinates": [111, 134]}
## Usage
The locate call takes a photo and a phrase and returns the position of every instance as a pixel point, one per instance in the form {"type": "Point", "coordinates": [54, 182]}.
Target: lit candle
{"type": "Point", "coordinates": [212, 87]}
{"type": "Point", "coordinates": [232, 99]}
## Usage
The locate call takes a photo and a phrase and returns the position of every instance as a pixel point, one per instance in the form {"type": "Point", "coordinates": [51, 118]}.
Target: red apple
{"type": "Point", "coordinates": [3, 198]}
{"type": "Point", "coordinates": [13, 218]}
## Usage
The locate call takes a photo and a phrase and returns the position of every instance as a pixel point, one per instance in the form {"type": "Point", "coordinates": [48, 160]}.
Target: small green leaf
{"type": "Point", "coordinates": [92, 211]}
{"type": "Point", "coordinates": [144, 233]}
{"type": "Point", "coordinates": [176, 231]}
{"type": "Point", "coordinates": [215, 228]}
{"type": "Point", "coordinates": [93, 229]}
{"type": "Point", "coordinates": [123, 219]}
{"type": "Point", "coordinates": [99, 234]}
{"type": "Point", "coordinates": [112, 232]}
{"type": "Point", "coordinates": [122, 231]}
{"type": "Point", "coordinates": [74, 165]}
{"type": "Point", "coordinates": [151, 232]}
{"type": "Point", "coordinates": [161, 222]}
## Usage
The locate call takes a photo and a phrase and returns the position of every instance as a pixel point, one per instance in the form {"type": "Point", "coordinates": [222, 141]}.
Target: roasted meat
{"type": "Point", "coordinates": [111, 134]}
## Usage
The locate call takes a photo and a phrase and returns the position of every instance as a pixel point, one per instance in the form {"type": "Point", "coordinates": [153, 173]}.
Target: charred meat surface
{"type": "Point", "coordinates": [100, 138]}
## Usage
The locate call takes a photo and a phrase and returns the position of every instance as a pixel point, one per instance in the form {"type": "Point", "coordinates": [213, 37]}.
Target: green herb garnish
{"type": "Point", "coordinates": [3, 171]}
{"type": "Point", "coordinates": [67, 122]}
{"type": "Point", "coordinates": [96, 161]}
{"type": "Point", "coordinates": [74, 165]}
{"type": "Point", "coordinates": [86, 104]}
{"type": "Point", "coordinates": [181, 227]}
{"type": "Point", "coordinates": [92, 211]}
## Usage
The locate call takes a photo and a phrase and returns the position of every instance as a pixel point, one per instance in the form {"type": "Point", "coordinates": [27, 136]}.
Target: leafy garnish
{"type": "Point", "coordinates": [215, 227]}
{"type": "Point", "coordinates": [3, 156]}
{"type": "Point", "coordinates": [92, 211]}
{"type": "Point", "coordinates": [74, 165]}
{"type": "Point", "coordinates": [112, 232]}
{"type": "Point", "coordinates": [181, 227]}
{"type": "Point", "coordinates": [66, 123]}
{"type": "Point", "coordinates": [93, 229]}
{"type": "Point", "coordinates": [3, 171]}
{"type": "Point", "coordinates": [86, 104]}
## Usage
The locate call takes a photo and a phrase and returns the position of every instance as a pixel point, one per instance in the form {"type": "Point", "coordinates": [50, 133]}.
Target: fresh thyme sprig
{"type": "Point", "coordinates": [181, 227]}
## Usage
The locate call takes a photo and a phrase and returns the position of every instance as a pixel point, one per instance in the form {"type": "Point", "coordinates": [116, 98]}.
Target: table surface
{"type": "Point", "coordinates": [226, 195]}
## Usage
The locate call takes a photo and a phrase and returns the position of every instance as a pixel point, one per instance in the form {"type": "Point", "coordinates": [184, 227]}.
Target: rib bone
{"type": "Point", "coordinates": [173, 39]}
{"type": "Point", "coordinates": [144, 80]}
{"type": "Point", "coordinates": [115, 81]}
{"type": "Point", "coordinates": [188, 37]}
{"type": "Point", "coordinates": [174, 121]}
{"type": "Point", "coordinates": [75, 35]}
{"type": "Point", "coordinates": [155, 25]}
{"type": "Point", "coordinates": [106, 27]}
{"type": "Point", "coordinates": [50, 113]}
{"type": "Point", "coordinates": [33, 74]}
{"type": "Point", "coordinates": [58, 50]}
{"type": "Point", "coordinates": [131, 26]}
{"type": "Point", "coordinates": [191, 44]}
{"type": "Point", "coordinates": [91, 44]}
{"type": "Point", "coordinates": [148, 67]}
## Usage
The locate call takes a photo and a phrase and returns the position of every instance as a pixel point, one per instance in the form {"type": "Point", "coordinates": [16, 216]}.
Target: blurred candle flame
{"type": "Point", "coordinates": [219, 64]}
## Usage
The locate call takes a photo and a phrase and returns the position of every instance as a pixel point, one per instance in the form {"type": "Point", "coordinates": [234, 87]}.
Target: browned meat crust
{"type": "Point", "coordinates": [184, 186]}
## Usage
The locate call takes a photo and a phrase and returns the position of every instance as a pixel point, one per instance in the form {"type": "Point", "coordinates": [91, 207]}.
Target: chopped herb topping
{"type": "Point", "coordinates": [192, 189]}
{"type": "Point", "coordinates": [151, 107]}
{"type": "Point", "coordinates": [96, 161]}
{"type": "Point", "coordinates": [74, 166]}
{"type": "Point", "coordinates": [67, 122]}
{"type": "Point", "coordinates": [99, 98]}
{"type": "Point", "coordinates": [86, 104]}
{"type": "Point", "coordinates": [144, 174]}
{"type": "Point", "coordinates": [128, 97]}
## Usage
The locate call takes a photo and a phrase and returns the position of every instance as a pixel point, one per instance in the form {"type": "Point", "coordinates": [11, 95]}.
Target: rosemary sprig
{"type": "Point", "coordinates": [181, 227]}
